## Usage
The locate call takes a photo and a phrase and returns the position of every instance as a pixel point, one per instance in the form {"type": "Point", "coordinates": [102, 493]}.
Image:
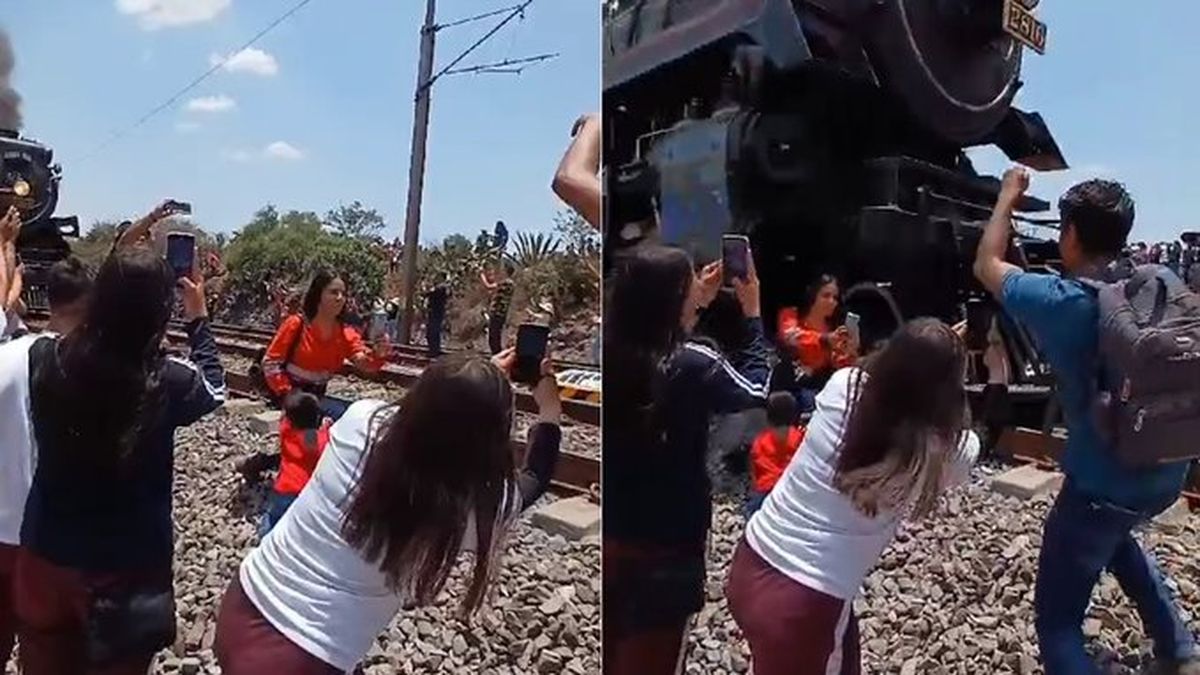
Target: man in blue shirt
{"type": "Point", "coordinates": [1089, 527]}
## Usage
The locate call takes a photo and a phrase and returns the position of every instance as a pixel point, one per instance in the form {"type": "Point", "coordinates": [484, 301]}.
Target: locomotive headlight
{"type": "Point", "coordinates": [21, 188]}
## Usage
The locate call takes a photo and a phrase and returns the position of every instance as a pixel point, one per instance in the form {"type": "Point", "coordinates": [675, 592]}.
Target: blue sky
{"type": "Point", "coordinates": [322, 115]}
{"type": "Point", "coordinates": [1117, 86]}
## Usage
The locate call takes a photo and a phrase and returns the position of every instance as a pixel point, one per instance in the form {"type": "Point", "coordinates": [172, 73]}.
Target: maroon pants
{"type": "Point", "coordinates": [52, 607]}
{"type": "Point", "coordinates": [247, 644]}
{"type": "Point", "coordinates": [8, 610]}
{"type": "Point", "coordinates": [792, 629]}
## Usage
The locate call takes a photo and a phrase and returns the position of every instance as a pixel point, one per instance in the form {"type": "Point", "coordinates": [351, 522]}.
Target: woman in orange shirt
{"type": "Point", "coordinates": [816, 347]}
{"type": "Point", "coordinates": [309, 349]}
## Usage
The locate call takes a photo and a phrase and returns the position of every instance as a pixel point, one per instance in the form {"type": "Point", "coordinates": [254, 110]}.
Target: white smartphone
{"type": "Point", "coordinates": [852, 321]}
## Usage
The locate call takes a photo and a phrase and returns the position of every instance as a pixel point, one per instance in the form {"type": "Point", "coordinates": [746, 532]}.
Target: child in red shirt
{"type": "Point", "coordinates": [773, 448]}
{"type": "Point", "coordinates": [303, 435]}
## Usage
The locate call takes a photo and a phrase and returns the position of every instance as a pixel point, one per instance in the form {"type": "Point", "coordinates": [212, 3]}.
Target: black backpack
{"type": "Point", "coordinates": [1148, 393]}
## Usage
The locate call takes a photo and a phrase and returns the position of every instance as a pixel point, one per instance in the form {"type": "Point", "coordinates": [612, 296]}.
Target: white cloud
{"type": "Point", "coordinates": [279, 150]}
{"type": "Point", "coordinates": [283, 150]}
{"type": "Point", "coordinates": [219, 103]}
{"type": "Point", "coordinates": [186, 127]}
{"type": "Point", "coordinates": [249, 60]}
{"type": "Point", "coordinates": [156, 14]}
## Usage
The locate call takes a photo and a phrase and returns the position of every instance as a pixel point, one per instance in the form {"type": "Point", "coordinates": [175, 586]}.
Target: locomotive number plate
{"type": "Point", "coordinates": [1020, 23]}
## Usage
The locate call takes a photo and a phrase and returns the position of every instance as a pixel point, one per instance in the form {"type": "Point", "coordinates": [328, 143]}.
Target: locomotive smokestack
{"type": "Point", "coordinates": [10, 100]}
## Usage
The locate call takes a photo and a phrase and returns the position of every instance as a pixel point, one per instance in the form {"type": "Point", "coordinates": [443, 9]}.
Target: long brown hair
{"type": "Point", "coordinates": [905, 421]}
{"type": "Point", "coordinates": [440, 461]}
{"type": "Point", "coordinates": [111, 365]}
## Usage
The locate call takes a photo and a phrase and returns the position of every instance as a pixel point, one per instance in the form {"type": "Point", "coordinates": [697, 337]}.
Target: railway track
{"type": "Point", "coordinates": [1031, 446]}
{"type": "Point", "coordinates": [580, 405]}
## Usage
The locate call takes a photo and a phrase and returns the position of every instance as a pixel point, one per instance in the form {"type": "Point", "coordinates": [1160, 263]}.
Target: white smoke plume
{"type": "Point", "coordinates": [10, 100]}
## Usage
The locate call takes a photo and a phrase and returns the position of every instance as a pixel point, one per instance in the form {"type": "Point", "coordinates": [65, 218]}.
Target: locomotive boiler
{"type": "Point", "coordinates": [29, 180]}
{"type": "Point", "coordinates": [834, 134]}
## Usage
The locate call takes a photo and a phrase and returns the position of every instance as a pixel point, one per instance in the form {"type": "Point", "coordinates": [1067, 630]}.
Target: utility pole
{"type": "Point", "coordinates": [416, 170]}
{"type": "Point", "coordinates": [416, 167]}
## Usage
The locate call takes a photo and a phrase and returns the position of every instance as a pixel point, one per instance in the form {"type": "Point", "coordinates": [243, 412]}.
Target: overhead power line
{"type": "Point", "coordinates": [174, 98]}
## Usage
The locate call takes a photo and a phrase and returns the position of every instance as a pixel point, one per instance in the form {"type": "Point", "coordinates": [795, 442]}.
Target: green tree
{"type": "Point", "coordinates": [288, 249]}
{"type": "Point", "coordinates": [354, 220]}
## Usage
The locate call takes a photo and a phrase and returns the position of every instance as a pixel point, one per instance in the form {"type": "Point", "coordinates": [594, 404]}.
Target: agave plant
{"type": "Point", "coordinates": [531, 249]}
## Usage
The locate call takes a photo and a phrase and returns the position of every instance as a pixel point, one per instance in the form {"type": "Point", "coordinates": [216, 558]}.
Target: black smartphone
{"type": "Point", "coordinates": [177, 207]}
{"type": "Point", "coordinates": [735, 257]}
{"type": "Point", "coordinates": [532, 339]}
{"type": "Point", "coordinates": [979, 322]}
{"type": "Point", "coordinates": [181, 253]}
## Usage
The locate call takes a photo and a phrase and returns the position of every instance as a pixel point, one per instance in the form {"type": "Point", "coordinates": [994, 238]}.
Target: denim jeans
{"type": "Point", "coordinates": [754, 502]}
{"type": "Point", "coordinates": [277, 506]}
{"type": "Point", "coordinates": [1083, 536]}
{"type": "Point", "coordinates": [333, 408]}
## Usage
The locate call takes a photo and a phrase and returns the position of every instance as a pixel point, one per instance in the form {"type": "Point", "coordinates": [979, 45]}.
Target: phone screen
{"type": "Point", "coordinates": [735, 257]}
{"type": "Point", "coordinates": [852, 325]}
{"type": "Point", "coordinates": [531, 350]}
{"type": "Point", "coordinates": [181, 253]}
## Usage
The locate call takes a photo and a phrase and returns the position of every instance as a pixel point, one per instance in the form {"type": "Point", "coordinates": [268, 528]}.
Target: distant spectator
{"type": "Point", "coordinates": [501, 289]}
{"type": "Point", "coordinates": [773, 449]}
{"type": "Point", "coordinates": [436, 300]}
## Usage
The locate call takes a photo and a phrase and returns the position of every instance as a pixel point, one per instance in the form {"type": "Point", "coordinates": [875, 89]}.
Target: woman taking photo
{"type": "Point", "coordinates": [398, 493]}
{"type": "Point", "coordinates": [811, 341]}
{"type": "Point", "coordinates": [309, 350]}
{"type": "Point", "coordinates": [662, 389]}
{"type": "Point", "coordinates": [93, 577]}
{"type": "Point", "coordinates": [885, 442]}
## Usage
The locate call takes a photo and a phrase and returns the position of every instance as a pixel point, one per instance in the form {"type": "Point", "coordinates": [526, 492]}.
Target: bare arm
{"type": "Point", "coordinates": [140, 229]}
{"type": "Point", "coordinates": [6, 228]}
{"type": "Point", "coordinates": [576, 181]}
{"type": "Point", "coordinates": [16, 285]}
{"type": "Point", "coordinates": [990, 266]}
{"type": "Point", "coordinates": [488, 283]}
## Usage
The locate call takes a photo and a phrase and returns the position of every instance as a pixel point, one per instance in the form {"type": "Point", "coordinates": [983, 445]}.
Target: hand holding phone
{"type": "Point", "coordinates": [532, 340]}
{"type": "Point", "coordinates": [172, 207]}
{"type": "Point", "coordinates": [853, 322]}
{"type": "Point", "coordinates": [735, 257]}
{"type": "Point", "coordinates": [181, 253]}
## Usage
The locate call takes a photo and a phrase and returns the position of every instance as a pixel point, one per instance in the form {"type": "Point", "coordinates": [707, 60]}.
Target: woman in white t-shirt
{"type": "Point", "coordinates": [398, 493]}
{"type": "Point", "coordinates": [885, 442]}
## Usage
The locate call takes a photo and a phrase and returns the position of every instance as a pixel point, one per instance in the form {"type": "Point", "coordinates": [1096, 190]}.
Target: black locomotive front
{"type": "Point", "coordinates": [29, 180]}
{"type": "Point", "coordinates": [831, 132]}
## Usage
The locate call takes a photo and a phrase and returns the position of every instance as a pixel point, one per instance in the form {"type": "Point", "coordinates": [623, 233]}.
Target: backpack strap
{"type": "Point", "coordinates": [291, 352]}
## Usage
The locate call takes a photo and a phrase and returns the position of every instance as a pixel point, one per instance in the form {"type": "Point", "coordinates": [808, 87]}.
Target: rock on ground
{"type": "Point", "coordinates": [954, 594]}
{"type": "Point", "coordinates": [543, 615]}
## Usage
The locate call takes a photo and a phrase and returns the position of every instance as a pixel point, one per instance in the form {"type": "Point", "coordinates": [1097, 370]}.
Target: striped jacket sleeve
{"type": "Point", "coordinates": [196, 384]}
{"type": "Point", "coordinates": [729, 388]}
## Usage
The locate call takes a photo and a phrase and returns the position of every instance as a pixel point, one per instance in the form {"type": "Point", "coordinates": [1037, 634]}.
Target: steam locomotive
{"type": "Point", "coordinates": [29, 180]}
{"type": "Point", "coordinates": [834, 134]}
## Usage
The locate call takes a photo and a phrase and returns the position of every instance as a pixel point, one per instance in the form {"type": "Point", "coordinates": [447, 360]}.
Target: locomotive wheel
{"type": "Point", "coordinates": [956, 74]}
{"type": "Point", "coordinates": [876, 307]}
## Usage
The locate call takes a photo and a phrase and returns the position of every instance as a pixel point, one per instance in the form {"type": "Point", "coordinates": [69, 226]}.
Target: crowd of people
{"type": "Point", "coordinates": [859, 438]}
{"type": "Point", "coordinates": [372, 505]}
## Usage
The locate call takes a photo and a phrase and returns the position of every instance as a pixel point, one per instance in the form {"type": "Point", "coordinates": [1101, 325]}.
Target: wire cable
{"type": "Point", "coordinates": [118, 135]}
